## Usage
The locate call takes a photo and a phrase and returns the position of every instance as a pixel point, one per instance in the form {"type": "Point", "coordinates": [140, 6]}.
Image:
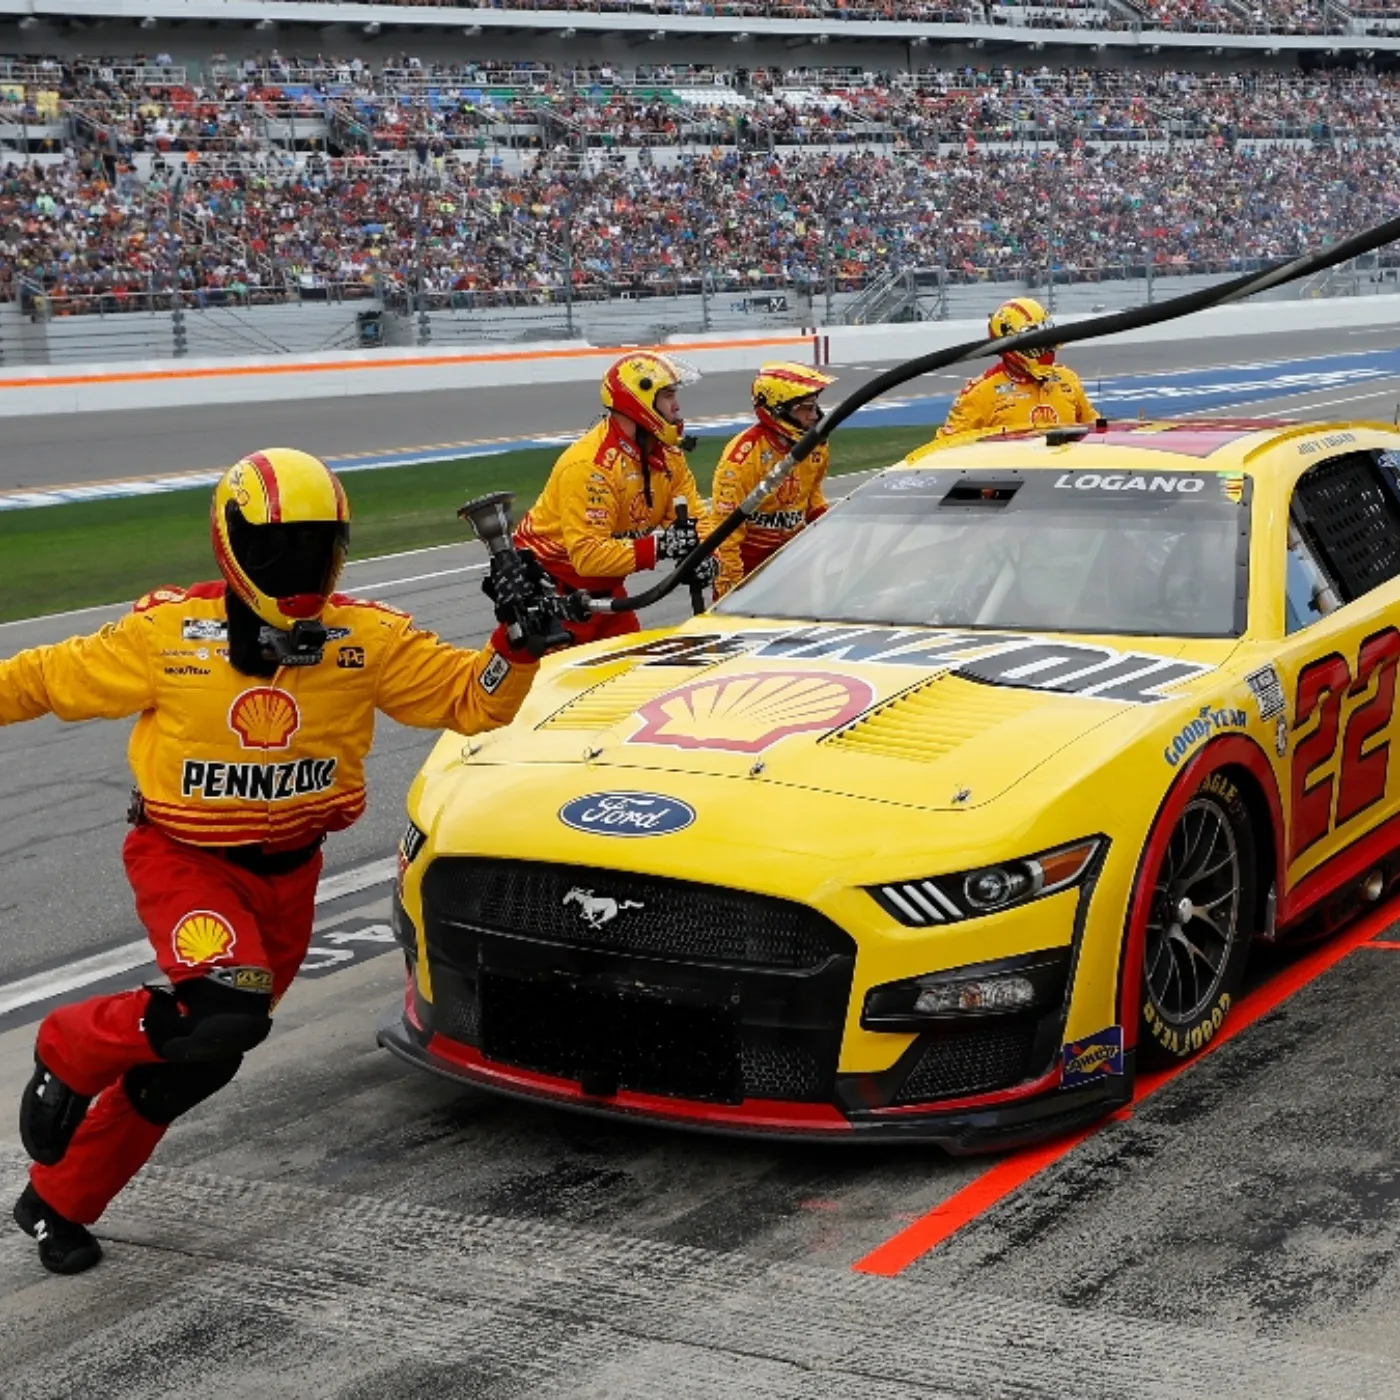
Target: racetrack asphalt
{"type": "Point", "coordinates": [85, 447]}
{"type": "Point", "coordinates": [338, 1224]}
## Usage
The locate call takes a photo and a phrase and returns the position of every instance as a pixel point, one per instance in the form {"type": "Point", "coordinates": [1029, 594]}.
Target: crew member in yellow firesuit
{"type": "Point", "coordinates": [609, 506]}
{"type": "Point", "coordinates": [1022, 390]}
{"type": "Point", "coordinates": [785, 401]}
{"type": "Point", "coordinates": [256, 698]}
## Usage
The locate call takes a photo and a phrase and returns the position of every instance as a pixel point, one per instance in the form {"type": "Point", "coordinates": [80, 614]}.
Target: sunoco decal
{"type": "Point", "coordinates": [627, 814]}
{"type": "Point", "coordinates": [1095, 1057]}
{"type": "Point", "coordinates": [993, 658]}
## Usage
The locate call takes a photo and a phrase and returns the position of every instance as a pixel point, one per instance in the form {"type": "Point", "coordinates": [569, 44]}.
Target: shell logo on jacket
{"type": "Point", "coordinates": [264, 718]}
{"type": "Point", "coordinates": [797, 501]}
{"type": "Point", "coordinates": [592, 523]}
{"type": "Point", "coordinates": [224, 759]}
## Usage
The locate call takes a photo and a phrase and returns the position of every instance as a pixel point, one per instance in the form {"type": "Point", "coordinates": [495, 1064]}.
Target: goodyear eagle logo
{"type": "Point", "coordinates": [202, 937]}
{"type": "Point", "coordinates": [746, 713]}
{"type": "Point", "coordinates": [1092, 1058]}
{"type": "Point", "coordinates": [264, 718]}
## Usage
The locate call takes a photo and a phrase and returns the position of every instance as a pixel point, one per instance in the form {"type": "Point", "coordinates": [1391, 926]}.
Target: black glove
{"type": "Point", "coordinates": [516, 582]}
{"type": "Point", "coordinates": [676, 541]}
{"type": "Point", "coordinates": [706, 571]}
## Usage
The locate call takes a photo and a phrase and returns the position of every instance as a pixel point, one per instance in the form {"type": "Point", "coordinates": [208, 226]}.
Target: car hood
{"type": "Point", "coordinates": [928, 718]}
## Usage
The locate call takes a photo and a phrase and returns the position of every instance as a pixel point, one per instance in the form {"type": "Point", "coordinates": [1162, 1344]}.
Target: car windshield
{"type": "Point", "coordinates": [1160, 554]}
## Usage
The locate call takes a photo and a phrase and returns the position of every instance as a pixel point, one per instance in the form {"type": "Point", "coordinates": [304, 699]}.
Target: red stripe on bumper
{"type": "Point", "coordinates": [751, 1113]}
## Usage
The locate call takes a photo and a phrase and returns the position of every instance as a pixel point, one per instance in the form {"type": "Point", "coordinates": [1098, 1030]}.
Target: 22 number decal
{"type": "Point", "coordinates": [1361, 775]}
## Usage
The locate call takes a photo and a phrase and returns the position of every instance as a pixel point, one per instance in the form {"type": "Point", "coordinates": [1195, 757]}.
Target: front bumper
{"type": "Point", "coordinates": [1045, 1112]}
{"type": "Point", "coordinates": [734, 1025]}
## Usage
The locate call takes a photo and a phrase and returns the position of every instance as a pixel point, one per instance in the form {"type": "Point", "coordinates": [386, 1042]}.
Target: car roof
{"type": "Point", "coordinates": [1225, 444]}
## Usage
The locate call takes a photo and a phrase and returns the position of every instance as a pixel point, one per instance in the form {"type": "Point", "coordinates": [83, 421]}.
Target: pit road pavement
{"type": "Point", "coordinates": [338, 1224]}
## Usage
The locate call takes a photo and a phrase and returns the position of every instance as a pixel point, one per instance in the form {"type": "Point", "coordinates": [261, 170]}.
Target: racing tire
{"type": "Point", "coordinates": [1200, 922]}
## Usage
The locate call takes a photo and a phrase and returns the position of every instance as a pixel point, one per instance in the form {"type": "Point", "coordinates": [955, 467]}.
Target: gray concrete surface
{"type": "Point", "coordinates": [102, 446]}
{"type": "Point", "coordinates": [337, 1224]}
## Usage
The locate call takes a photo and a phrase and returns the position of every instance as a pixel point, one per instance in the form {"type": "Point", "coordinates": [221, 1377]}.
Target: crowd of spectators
{"type": "Point", "coordinates": [140, 107]}
{"type": "Point", "coordinates": [1211, 16]}
{"type": "Point", "coordinates": [87, 237]}
{"type": "Point", "coordinates": [807, 176]}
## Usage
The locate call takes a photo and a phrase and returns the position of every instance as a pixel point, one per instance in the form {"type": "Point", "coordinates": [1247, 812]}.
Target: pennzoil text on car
{"type": "Point", "coordinates": [968, 801]}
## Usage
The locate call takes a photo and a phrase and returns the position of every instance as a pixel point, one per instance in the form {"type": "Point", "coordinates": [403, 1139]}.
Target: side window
{"type": "Point", "coordinates": [1343, 534]}
{"type": "Point", "coordinates": [1310, 592]}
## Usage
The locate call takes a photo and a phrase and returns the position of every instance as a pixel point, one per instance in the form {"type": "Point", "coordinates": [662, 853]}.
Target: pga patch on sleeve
{"type": "Point", "coordinates": [493, 673]}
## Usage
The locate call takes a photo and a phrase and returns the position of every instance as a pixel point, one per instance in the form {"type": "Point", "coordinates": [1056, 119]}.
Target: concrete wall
{"type": "Point", "coordinates": [142, 336]}
{"type": "Point", "coordinates": [166, 383]}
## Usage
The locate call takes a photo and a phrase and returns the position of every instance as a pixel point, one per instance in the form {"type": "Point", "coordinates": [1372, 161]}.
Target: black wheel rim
{"type": "Point", "coordinates": [1193, 923]}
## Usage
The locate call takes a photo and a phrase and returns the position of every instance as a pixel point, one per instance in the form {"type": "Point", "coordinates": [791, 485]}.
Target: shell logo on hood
{"type": "Point", "coordinates": [748, 712]}
{"type": "Point", "coordinates": [264, 718]}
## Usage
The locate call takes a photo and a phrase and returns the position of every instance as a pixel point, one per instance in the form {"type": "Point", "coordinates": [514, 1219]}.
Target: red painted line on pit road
{"type": "Point", "coordinates": [963, 1207]}
{"type": "Point", "coordinates": [1381, 943]}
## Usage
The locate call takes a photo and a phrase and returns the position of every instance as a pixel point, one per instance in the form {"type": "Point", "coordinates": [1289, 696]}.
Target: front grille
{"type": "Point", "coordinates": [700, 993]}
{"type": "Point", "coordinates": [456, 1007]}
{"type": "Point", "coordinates": [782, 1069]}
{"type": "Point", "coordinates": [625, 912]}
{"type": "Point", "coordinates": [974, 1060]}
{"type": "Point", "coordinates": [608, 1040]}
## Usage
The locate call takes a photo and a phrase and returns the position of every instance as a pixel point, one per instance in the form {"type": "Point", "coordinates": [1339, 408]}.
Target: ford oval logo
{"type": "Point", "coordinates": [627, 814]}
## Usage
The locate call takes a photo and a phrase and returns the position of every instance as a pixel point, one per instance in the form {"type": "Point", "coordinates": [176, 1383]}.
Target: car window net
{"type": "Point", "coordinates": [1154, 554]}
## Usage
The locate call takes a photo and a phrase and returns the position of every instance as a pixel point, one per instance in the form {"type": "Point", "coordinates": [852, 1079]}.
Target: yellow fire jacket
{"type": "Point", "coordinates": [591, 526]}
{"type": "Point", "coordinates": [797, 502]}
{"type": "Point", "coordinates": [998, 399]}
{"type": "Point", "coordinates": [224, 759]}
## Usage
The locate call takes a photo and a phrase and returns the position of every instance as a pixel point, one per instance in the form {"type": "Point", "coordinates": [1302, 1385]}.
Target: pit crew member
{"type": "Point", "coordinates": [609, 506]}
{"type": "Point", "coordinates": [1023, 390]}
{"type": "Point", "coordinates": [256, 698]}
{"type": "Point", "coordinates": [785, 403]}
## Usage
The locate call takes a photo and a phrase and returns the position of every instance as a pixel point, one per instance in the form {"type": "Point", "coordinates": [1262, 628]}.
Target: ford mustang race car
{"type": "Point", "coordinates": [968, 801]}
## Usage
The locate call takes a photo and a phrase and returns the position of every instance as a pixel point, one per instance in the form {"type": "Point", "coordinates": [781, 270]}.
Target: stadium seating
{"type": "Point", "coordinates": [133, 183]}
{"type": "Point", "coordinates": [1209, 16]}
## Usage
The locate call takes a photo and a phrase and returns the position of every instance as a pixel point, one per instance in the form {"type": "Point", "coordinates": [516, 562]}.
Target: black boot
{"type": "Point", "coordinates": [65, 1247]}
{"type": "Point", "coordinates": [49, 1114]}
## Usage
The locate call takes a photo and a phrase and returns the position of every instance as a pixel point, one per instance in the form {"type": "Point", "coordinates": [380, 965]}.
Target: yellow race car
{"type": "Point", "coordinates": [971, 798]}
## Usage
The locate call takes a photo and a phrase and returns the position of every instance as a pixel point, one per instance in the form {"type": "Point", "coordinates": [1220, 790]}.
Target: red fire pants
{"type": "Point", "coordinates": [200, 911]}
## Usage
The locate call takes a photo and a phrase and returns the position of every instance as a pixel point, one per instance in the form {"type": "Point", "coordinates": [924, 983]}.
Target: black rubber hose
{"type": "Point", "coordinates": [1135, 318]}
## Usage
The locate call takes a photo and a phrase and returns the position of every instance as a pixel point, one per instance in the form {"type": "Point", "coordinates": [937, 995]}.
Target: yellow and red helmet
{"type": "Point", "coordinates": [778, 387]}
{"type": "Point", "coordinates": [281, 529]}
{"type": "Point", "coordinates": [1013, 317]}
{"type": "Point", "coordinates": [631, 385]}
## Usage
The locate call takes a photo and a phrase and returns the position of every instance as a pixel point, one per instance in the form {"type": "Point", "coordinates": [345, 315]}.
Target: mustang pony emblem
{"type": "Point", "coordinates": [598, 910]}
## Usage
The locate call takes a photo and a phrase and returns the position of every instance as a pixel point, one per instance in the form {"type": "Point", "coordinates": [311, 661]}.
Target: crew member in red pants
{"type": "Point", "coordinates": [257, 697]}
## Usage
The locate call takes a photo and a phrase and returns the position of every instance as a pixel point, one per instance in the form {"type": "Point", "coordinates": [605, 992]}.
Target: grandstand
{"type": "Point", "coordinates": [520, 187]}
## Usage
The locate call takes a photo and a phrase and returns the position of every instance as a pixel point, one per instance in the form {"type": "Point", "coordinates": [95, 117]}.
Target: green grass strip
{"type": "Point", "coordinates": [73, 556]}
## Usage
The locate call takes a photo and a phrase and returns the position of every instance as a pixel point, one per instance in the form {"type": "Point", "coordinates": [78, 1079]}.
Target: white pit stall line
{"type": "Point", "coordinates": [85, 971]}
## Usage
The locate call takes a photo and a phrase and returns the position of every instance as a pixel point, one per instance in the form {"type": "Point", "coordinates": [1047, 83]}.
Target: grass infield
{"type": "Point", "coordinates": [72, 556]}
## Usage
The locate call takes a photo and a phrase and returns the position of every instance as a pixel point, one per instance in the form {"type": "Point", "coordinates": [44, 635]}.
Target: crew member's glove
{"type": "Point", "coordinates": [706, 571]}
{"type": "Point", "coordinates": [676, 541]}
{"type": "Point", "coordinates": [527, 605]}
{"type": "Point", "coordinates": [514, 588]}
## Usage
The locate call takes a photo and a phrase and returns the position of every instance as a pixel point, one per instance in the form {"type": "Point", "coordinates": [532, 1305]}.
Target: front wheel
{"type": "Point", "coordinates": [1199, 923]}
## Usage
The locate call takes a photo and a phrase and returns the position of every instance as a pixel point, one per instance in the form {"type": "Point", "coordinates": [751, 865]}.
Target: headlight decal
{"type": "Point", "coordinates": [989, 889]}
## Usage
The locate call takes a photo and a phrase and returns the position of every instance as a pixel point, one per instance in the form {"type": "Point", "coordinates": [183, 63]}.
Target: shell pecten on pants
{"type": "Point", "coordinates": [202, 937]}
